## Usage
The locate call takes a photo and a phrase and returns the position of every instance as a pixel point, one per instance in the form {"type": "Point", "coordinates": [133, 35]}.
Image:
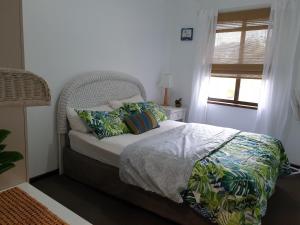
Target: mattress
{"type": "Point", "coordinates": [108, 150]}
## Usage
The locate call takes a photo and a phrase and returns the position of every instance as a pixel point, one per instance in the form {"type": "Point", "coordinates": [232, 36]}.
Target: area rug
{"type": "Point", "coordinates": [17, 207]}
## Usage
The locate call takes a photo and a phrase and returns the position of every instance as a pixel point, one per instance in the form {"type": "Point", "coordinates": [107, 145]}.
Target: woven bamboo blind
{"type": "Point", "coordinates": [240, 44]}
{"type": "Point", "coordinates": [20, 87]}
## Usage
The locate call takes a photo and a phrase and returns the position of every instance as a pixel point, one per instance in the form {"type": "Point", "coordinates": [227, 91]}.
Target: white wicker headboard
{"type": "Point", "coordinates": [93, 89]}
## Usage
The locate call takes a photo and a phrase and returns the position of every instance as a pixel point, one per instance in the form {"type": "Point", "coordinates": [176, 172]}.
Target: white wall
{"type": "Point", "coordinates": [181, 65]}
{"type": "Point", "coordinates": [64, 38]}
{"type": "Point", "coordinates": [184, 14]}
{"type": "Point", "coordinates": [226, 116]}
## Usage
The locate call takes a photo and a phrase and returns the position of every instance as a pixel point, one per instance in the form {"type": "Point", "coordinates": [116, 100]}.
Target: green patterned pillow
{"type": "Point", "coordinates": [158, 112]}
{"type": "Point", "coordinates": [105, 124]}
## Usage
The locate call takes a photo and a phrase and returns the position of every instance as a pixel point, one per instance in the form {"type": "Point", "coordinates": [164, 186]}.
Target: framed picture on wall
{"type": "Point", "coordinates": [187, 34]}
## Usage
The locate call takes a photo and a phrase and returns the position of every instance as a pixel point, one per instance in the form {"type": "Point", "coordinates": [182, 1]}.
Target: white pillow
{"type": "Point", "coordinates": [119, 103]}
{"type": "Point", "coordinates": [75, 121]}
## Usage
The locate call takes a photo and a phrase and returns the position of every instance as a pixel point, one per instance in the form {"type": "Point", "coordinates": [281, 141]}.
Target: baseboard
{"type": "Point", "coordinates": [42, 176]}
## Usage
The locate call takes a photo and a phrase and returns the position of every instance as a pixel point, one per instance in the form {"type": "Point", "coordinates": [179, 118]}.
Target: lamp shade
{"type": "Point", "coordinates": [20, 87]}
{"type": "Point", "coordinates": [166, 81]}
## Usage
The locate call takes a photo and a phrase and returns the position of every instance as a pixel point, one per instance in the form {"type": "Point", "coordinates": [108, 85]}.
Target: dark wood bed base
{"type": "Point", "coordinates": [105, 178]}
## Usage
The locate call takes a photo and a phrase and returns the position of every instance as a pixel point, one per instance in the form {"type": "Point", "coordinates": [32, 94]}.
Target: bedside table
{"type": "Point", "coordinates": [175, 113]}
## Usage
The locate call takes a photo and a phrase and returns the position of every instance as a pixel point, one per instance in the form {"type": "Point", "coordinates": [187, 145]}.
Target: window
{"type": "Point", "coordinates": [238, 57]}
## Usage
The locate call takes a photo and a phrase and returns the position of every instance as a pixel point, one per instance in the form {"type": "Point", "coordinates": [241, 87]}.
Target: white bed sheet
{"type": "Point", "coordinates": [108, 150]}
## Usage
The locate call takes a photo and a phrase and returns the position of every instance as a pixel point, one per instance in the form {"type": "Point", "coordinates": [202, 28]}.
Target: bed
{"type": "Point", "coordinates": [96, 163]}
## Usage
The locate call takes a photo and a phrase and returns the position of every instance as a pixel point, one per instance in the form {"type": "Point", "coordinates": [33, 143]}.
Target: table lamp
{"type": "Point", "coordinates": [166, 82]}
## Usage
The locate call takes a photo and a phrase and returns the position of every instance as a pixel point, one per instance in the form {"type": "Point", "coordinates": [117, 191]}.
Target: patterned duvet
{"type": "Point", "coordinates": [231, 186]}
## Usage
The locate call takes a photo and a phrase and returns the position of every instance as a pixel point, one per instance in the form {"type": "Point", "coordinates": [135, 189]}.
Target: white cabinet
{"type": "Point", "coordinates": [174, 113]}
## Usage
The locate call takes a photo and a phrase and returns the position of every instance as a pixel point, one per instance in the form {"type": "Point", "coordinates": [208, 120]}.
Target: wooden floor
{"type": "Point", "coordinates": [99, 208]}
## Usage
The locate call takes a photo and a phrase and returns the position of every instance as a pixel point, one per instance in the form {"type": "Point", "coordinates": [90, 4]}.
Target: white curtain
{"type": "Point", "coordinates": [296, 103]}
{"type": "Point", "coordinates": [279, 75]}
{"type": "Point", "coordinates": [207, 21]}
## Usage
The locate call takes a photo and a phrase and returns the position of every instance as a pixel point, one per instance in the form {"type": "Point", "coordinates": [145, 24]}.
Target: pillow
{"type": "Point", "coordinates": [135, 108]}
{"type": "Point", "coordinates": [77, 124]}
{"type": "Point", "coordinates": [105, 124]}
{"type": "Point", "coordinates": [119, 103]}
{"type": "Point", "coordinates": [141, 122]}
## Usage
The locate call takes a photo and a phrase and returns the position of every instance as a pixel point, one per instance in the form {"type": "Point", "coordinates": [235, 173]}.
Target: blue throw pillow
{"type": "Point", "coordinates": [141, 122]}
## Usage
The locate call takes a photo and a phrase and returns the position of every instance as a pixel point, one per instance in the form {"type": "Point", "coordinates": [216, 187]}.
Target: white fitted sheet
{"type": "Point", "coordinates": [108, 150]}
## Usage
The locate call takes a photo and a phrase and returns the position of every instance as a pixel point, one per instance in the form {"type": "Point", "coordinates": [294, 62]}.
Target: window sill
{"type": "Point", "coordinates": [232, 104]}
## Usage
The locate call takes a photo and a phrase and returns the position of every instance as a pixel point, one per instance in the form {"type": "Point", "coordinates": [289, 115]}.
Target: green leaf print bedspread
{"type": "Point", "coordinates": [232, 185]}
